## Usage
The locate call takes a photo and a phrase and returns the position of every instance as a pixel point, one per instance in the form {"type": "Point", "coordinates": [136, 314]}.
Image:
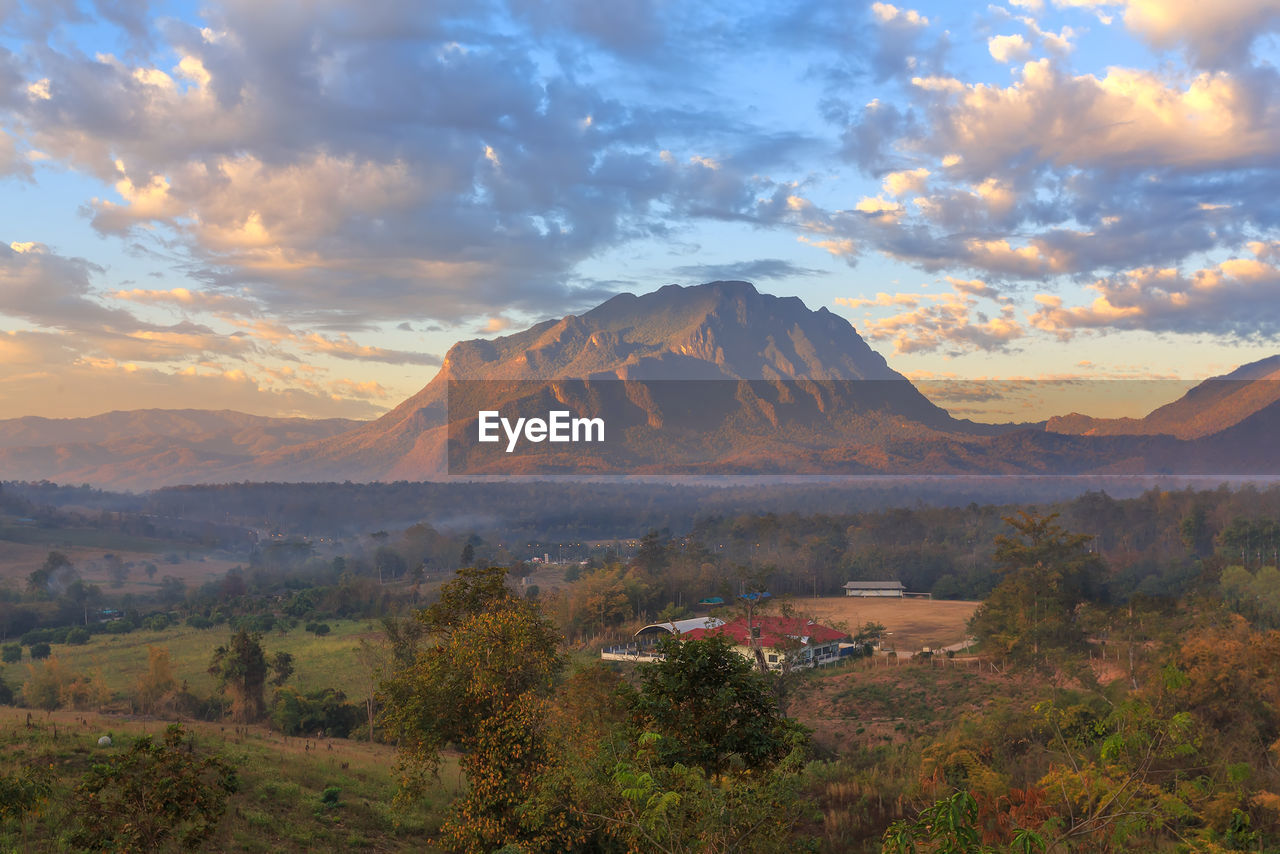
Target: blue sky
{"type": "Point", "coordinates": [296, 207]}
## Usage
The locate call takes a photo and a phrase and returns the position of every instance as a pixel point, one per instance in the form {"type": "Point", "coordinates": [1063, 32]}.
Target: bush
{"type": "Point", "coordinates": [199, 622]}
{"type": "Point", "coordinates": [156, 622]}
{"type": "Point", "coordinates": [6, 694]}
{"type": "Point", "coordinates": [77, 636]}
{"type": "Point", "coordinates": [329, 797]}
{"type": "Point", "coordinates": [319, 629]}
{"type": "Point", "coordinates": [119, 627]}
{"type": "Point", "coordinates": [186, 791]}
{"type": "Point", "coordinates": [326, 711]}
{"type": "Point", "coordinates": [58, 635]}
{"type": "Point", "coordinates": [40, 651]}
{"type": "Point", "coordinates": [11, 652]}
{"type": "Point", "coordinates": [255, 623]}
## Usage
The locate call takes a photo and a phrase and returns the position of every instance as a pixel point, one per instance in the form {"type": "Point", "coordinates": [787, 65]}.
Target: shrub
{"type": "Point", "coordinates": [185, 789]}
{"type": "Point", "coordinates": [329, 797]}
{"type": "Point", "coordinates": [119, 627]}
{"type": "Point", "coordinates": [40, 651]}
{"type": "Point", "coordinates": [325, 711]}
{"type": "Point", "coordinates": [58, 635]}
{"type": "Point", "coordinates": [77, 636]}
{"type": "Point", "coordinates": [11, 652]}
{"type": "Point", "coordinates": [199, 622]}
{"type": "Point", "coordinates": [156, 622]}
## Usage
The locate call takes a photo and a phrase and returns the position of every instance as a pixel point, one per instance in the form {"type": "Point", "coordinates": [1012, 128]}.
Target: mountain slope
{"type": "Point", "coordinates": [1208, 408]}
{"type": "Point", "coordinates": [149, 447]}
{"type": "Point", "coordinates": [724, 331]}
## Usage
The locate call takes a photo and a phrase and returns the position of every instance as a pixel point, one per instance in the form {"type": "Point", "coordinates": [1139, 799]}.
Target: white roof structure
{"type": "Point", "coordinates": [681, 626]}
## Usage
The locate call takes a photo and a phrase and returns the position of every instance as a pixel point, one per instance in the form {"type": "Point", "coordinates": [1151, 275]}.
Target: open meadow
{"type": "Point", "coordinates": [327, 661]}
{"type": "Point", "coordinates": [915, 623]}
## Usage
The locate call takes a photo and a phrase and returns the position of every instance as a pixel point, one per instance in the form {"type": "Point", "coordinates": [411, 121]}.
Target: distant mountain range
{"type": "Point", "coordinates": [796, 391]}
{"type": "Point", "coordinates": [146, 448]}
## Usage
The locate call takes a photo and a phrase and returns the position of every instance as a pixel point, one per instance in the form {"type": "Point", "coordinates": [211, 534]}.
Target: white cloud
{"type": "Point", "coordinates": [1236, 296]}
{"type": "Point", "coordinates": [1008, 49]}
{"type": "Point", "coordinates": [887, 13]}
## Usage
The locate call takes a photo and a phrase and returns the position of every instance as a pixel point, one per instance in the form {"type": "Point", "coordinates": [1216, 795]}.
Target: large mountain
{"type": "Point", "coordinates": [721, 331]}
{"type": "Point", "coordinates": [776, 388]}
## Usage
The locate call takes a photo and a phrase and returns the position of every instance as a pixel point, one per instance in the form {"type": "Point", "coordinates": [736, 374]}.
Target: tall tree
{"type": "Point", "coordinates": [711, 708]}
{"type": "Point", "coordinates": [1046, 572]}
{"type": "Point", "coordinates": [481, 685]}
{"type": "Point", "coordinates": [241, 669]}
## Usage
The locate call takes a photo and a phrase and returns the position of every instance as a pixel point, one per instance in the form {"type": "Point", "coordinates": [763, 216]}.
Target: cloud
{"type": "Point", "coordinates": [1214, 34]}
{"type": "Point", "coordinates": [1236, 296]}
{"type": "Point", "coordinates": [1060, 174]}
{"type": "Point", "coordinates": [301, 161]}
{"type": "Point", "coordinates": [951, 323]}
{"type": "Point", "coordinates": [887, 13]}
{"type": "Point", "coordinates": [1126, 119]}
{"type": "Point", "coordinates": [1008, 49]}
{"type": "Point", "coordinates": [906, 181]}
{"type": "Point", "coordinates": [761, 269]}
{"type": "Point", "coordinates": [52, 290]}
{"type": "Point", "coordinates": [882, 299]}
{"type": "Point", "coordinates": [343, 347]}
{"type": "Point", "coordinates": [12, 163]}
{"type": "Point", "coordinates": [45, 373]}
{"type": "Point", "coordinates": [189, 300]}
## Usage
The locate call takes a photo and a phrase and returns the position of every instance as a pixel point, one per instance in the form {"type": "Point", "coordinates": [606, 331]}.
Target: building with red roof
{"type": "Point", "coordinates": [781, 642]}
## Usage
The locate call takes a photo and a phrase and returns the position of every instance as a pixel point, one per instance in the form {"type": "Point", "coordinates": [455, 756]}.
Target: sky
{"type": "Point", "coordinates": [295, 207]}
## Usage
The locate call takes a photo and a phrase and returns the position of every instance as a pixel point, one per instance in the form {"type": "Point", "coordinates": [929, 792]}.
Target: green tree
{"type": "Point", "coordinates": [241, 670]}
{"type": "Point", "coordinates": [678, 808]}
{"type": "Point", "coordinates": [153, 793]}
{"type": "Point", "coordinates": [950, 827]}
{"type": "Point", "coordinates": [480, 684]}
{"type": "Point", "coordinates": [1046, 573]}
{"type": "Point", "coordinates": [711, 707]}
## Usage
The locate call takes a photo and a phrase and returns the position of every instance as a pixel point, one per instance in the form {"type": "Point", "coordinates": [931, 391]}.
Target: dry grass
{"type": "Point", "coordinates": [915, 623]}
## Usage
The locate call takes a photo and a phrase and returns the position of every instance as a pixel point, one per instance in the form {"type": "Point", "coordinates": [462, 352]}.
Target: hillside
{"type": "Point", "coordinates": [1209, 408]}
{"type": "Point", "coordinates": [146, 448]}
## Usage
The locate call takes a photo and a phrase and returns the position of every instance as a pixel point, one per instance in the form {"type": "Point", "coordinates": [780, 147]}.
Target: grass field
{"type": "Point", "coordinates": [915, 623]}
{"type": "Point", "coordinates": [319, 662]}
{"type": "Point", "coordinates": [277, 807]}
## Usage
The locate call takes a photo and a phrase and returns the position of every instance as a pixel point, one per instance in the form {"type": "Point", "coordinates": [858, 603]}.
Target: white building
{"type": "Point", "coordinates": [875, 588]}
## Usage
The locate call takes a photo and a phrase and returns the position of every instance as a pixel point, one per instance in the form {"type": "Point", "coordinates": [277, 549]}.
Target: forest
{"type": "Point", "coordinates": [1122, 694]}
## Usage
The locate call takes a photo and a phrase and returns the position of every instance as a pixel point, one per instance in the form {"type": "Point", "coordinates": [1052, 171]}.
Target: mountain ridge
{"type": "Point", "coordinates": [797, 390]}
